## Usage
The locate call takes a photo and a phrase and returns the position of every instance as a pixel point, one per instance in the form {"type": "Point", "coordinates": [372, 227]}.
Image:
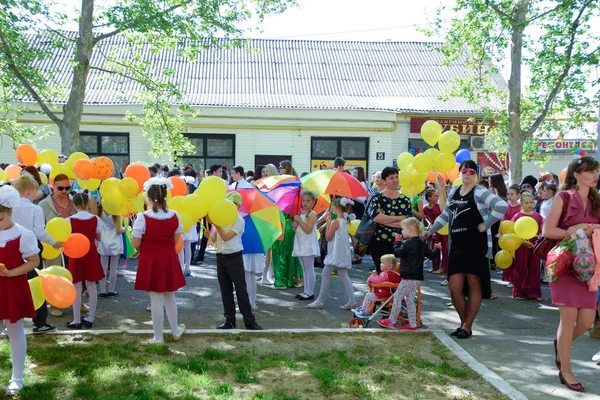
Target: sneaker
{"type": "Point", "coordinates": [152, 341]}
{"type": "Point", "coordinates": [43, 329]}
{"type": "Point", "coordinates": [385, 323]}
{"type": "Point", "coordinates": [255, 327]}
{"type": "Point", "coordinates": [596, 357]}
{"type": "Point", "coordinates": [444, 282]}
{"type": "Point", "coordinates": [407, 327]}
{"type": "Point", "coordinates": [177, 338]}
{"type": "Point", "coordinates": [510, 286]}
{"type": "Point", "coordinates": [187, 273]}
{"type": "Point", "coordinates": [14, 386]}
{"type": "Point", "coordinates": [55, 312]}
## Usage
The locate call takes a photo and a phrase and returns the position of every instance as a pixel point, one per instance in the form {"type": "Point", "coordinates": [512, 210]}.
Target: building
{"type": "Point", "coordinates": [303, 100]}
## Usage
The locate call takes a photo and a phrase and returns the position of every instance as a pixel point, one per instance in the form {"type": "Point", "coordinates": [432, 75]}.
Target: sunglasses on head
{"type": "Point", "coordinates": [61, 188]}
{"type": "Point", "coordinates": [468, 171]}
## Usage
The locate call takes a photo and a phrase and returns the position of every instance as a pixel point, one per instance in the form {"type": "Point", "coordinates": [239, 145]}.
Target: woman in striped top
{"type": "Point", "coordinates": [470, 242]}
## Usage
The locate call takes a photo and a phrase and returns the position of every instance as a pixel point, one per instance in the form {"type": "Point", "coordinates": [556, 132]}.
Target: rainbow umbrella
{"type": "Point", "coordinates": [288, 197]}
{"type": "Point", "coordinates": [263, 221]}
{"type": "Point", "coordinates": [270, 182]}
{"type": "Point", "coordinates": [335, 183]}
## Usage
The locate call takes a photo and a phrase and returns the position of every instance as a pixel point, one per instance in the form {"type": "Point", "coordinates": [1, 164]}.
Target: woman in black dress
{"type": "Point", "coordinates": [470, 242]}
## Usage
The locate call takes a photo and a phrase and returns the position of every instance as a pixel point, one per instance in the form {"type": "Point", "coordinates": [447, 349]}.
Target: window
{"type": "Point", "coordinates": [112, 145]}
{"type": "Point", "coordinates": [210, 149]}
{"type": "Point", "coordinates": [324, 150]}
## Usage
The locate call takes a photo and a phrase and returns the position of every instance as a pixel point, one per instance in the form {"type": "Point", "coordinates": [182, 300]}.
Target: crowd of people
{"type": "Point", "coordinates": [405, 231]}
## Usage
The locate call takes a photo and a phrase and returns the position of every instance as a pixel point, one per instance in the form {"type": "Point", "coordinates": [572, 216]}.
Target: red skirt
{"type": "Point", "coordinates": [87, 268]}
{"type": "Point", "coordinates": [568, 291]}
{"type": "Point", "coordinates": [15, 299]}
{"type": "Point", "coordinates": [526, 274]}
{"type": "Point", "coordinates": [158, 272]}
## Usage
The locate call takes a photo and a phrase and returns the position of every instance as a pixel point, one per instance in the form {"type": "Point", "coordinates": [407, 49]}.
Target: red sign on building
{"type": "Point", "coordinates": [462, 126]}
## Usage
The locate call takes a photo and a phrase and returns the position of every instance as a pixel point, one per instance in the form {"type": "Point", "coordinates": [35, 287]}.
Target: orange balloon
{"type": "Point", "coordinates": [431, 176]}
{"type": "Point", "coordinates": [179, 186]}
{"type": "Point", "coordinates": [26, 154]}
{"type": "Point", "coordinates": [453, 175]}
{"type": "Point", "coordinates": [179, 245]}
{"type": "Point", "coordinates": [13, 171]}
{"type": "Point", "coordinates": [139, 172]}
{"type": "Point", "coordinates": [103, 168]}
{"type": "Point", "coordinates": [563, 175]}
{"type": "Point", "coordinates": [83, 169]}
{"type": "Point", "coordinates": [58, 291]}
{"type": "Point", "coordinates": [76, 246]}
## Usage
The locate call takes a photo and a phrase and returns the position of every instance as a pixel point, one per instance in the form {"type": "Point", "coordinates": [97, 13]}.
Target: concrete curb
{"type": "Point", "coordinates": [491, 377]}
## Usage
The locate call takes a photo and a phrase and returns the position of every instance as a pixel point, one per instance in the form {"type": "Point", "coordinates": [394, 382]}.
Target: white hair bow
{"type": "Point", "coordinates": [345, 201]}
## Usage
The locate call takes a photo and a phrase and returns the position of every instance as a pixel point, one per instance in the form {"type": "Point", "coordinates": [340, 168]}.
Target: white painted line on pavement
{"type": "Point", "coordinates": [490, 376]}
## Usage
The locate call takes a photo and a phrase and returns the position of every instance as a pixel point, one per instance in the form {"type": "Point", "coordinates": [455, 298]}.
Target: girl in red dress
{"type": "Point", "coordinates": [155, 233]}
{"type": "Point", "coordinates": [513, 208]}
{"type": "Point", "coordinates": [16, 244]}
{"type": "Point", "coordinates": [526, 267]}
{"type": "Point", "coordinates": [87, 268]}
{"type": "Point", "coordinates": [431, 212]}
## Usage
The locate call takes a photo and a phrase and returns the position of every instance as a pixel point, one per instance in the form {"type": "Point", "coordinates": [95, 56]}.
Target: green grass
{"type": "Point", "coordinates": [117, 367]}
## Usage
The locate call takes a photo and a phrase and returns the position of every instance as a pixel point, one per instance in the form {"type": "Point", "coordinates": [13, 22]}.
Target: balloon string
{"type": "Point", "coordinates": [209, 238]}
{"type": "Point", "coordinates": [62, 255]}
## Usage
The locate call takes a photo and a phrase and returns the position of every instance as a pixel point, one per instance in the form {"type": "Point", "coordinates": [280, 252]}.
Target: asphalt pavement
{"type": "Point", "coordinates": [511, 337]}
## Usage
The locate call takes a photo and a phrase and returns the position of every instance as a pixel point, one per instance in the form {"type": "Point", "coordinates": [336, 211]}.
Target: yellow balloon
{"type": "Point", "coordinates": [449, 142]}
{"type": "Point", "coordinates": [136, 204]}
{"type": "Point", "coordinates": [43, 178]}
{"type": "Point", "coordinates": [114, 208]}
{"type": "Point", "coordinates": [128, 187]}
{"type": "Point", "coordinates": [186, 221]}
{"type": "Point", "coordinates": [404, 178]}
{"type": "Point", "coordinates": [90, 184]}
{"type": "Point", "coordinates": [109, 191]}
{"type": "Point", "coordinates": [507, 227]}
{"type": "Point", "coordinates": [223, 213]}
{"type": "Point", "coordinates": [457, 182]}
{"type": "Point", "coordinates": [509, 242]}
{"type": "Point", "coordinates": [59, 229]}
{"type": "Point", "coordinates": [3, 176]}
{"type": "Point", "coordinates": [432, 153]}
{"type": "Point", "coordinates": [58, 169]}
{"type": "Point", "coordinates": [212, 189]}
{"type": "Point", "coordinates": [76, 157]}
{"type": "Point", "coordinates": [37, 293]}
{"type": "Point", "coordinates": [58, 271]}
{"type": "Point", "coordinates": [431, 132]}
{"type": "Point", "coordinates": [176, 203]}
{"type": "Point", "coordinates": [444, 162]}
{"type": "Point", "coordinates": [47, 156]}
{"type": "Point", "coordinates": [443, 230]}
{"type": "Point", "coordinates": [195, 206]}
{"type": "Point", "coordinates": [49, 252]}
{"type": "Point", "coordinates": [526, 228]}
{"type": "Point", "coordinates": [413, 190]}
{"type": "Point", "coordinates": [423, 163]}
{"type": "Point", "coordinates": [418, 177]}
{"type": "Point", "coordinates": [503, 259]}
{"type": "Point", "coordinates": [353, 227]}
{"type": "Point", "coordinates": [404, 160]}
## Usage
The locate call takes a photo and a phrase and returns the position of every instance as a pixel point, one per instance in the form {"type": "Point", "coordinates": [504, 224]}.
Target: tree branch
{"type": "Point", "coordinates": [552, 95]}
{"type": "Point", "coordinates": [497, 10]}
{"type": "Point", "coordinates": [542, 15]}
{"type": "Point", "coordinates": [28, 86]}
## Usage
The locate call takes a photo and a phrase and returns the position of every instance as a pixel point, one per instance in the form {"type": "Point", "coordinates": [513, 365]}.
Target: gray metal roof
{"type": "Point", "coordinates": [403, 77]}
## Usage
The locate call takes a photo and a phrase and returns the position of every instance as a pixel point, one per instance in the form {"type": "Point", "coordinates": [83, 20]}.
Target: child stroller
{"type": "Point", "coordinates": [384, 306]}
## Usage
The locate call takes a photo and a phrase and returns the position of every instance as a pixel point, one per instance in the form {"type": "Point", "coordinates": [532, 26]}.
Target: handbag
{"type": "Point", "coordinates": [543, 245]}
{"type": "Point", "coordinates": [367, 227]}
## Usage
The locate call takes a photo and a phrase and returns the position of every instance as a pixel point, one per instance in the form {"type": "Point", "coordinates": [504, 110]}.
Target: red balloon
{"type": "Point", "coordinates": [139, 172]}
{"type": "Point", "coordinates": [76, 246]}
{"type": "Point", "coordinates": [26, 154]}
{"type": "Point", "coordinates": [179, 187]}
{"type": "Point", "coordinates": [58, 291]}
{"type": "Point", "coordinates": [83, 169]}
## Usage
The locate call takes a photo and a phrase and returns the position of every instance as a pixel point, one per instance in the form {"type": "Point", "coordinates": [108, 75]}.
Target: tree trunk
{"type": "Point", "coordinates": [69, 127]}
{"type": "Point", "coordinates": [515, 134]}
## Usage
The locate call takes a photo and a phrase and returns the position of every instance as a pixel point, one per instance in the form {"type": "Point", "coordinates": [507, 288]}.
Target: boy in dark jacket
{"type": "Point", "coordinates": [411, 252]}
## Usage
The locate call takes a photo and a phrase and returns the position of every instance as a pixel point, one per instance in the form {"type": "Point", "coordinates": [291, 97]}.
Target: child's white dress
{"type": "Point", "coordinates": [111, 242]}
{"type": "Point", "coordinates": [338, 250]}
{"type": "Point", "coordinates": [306, 244]}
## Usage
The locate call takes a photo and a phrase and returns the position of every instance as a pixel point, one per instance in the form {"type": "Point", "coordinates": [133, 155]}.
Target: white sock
{"type": "Point", "coordinates": [112, 277]}
{"type": "Point", "coordinates": [105, 261]}
{"type": "Point", "coordinates": [171, 310]}
{"type": "Point", "coordinates": [181, 258]}
{"type": "Point", "coordinates": [18, 347]}
{"type": "Point", "coordinates": [325, 279]}
{"type": "Point", "coordinates": [251, 287]}
{"type": "Point", "coordinates": [187, 255]}
{"type": "Point", "coordinates": [93, 298]}
{"type": "Point", "coordinates": [158, 315]}
{"type": "Point", "coordinates": [77, 303]}
{"type": "Point", "coordinates": [310, 278]}
{"type": "Point", "coordinates": [343, 274]}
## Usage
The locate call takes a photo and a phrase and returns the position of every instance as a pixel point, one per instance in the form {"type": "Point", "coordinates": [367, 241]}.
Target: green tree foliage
{"type": "Point", "coordinates": [32, 31]}
{"type": "Point", "coordinates": [553, 41]}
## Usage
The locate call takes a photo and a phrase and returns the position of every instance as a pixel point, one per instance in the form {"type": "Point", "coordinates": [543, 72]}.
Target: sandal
{"type": "Point", "coordinates": [315, 306]}
{"type": "Point", "coordinates": [348, 306]}
{"type": "Point", "coordinates": [493, 296]}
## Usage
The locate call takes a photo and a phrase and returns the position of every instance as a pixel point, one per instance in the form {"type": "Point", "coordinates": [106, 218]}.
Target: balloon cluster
{"type": "Point", "coordinates": [75, 245]}
{"type": "Point", "coordinates": [54, 284]}
{"type": "Point", "coordinates": [512, 236]}
{"type": "Point", "coordinates": [425, 166]}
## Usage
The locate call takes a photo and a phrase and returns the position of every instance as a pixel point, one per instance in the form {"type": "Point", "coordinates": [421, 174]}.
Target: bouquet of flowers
{"type": "Point", "coordinates": [584, 260]}
{"type": "Point", "coordinates": [560, 258]}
